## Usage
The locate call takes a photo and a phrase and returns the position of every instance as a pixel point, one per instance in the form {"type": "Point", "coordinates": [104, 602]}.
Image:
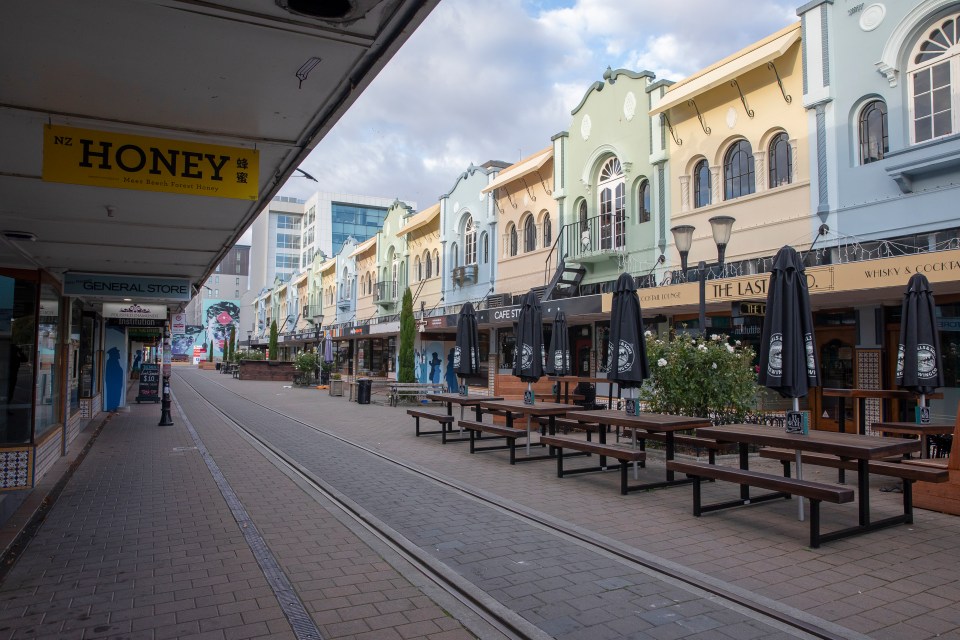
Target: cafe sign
{"type": "Point", "coordinates": [120, 161]}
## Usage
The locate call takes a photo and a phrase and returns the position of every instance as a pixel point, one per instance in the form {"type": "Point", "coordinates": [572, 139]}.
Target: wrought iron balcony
{"type": "Point", "coordinates": [464, 275]}
{"type": "Point", "coordinates": [385, 293]}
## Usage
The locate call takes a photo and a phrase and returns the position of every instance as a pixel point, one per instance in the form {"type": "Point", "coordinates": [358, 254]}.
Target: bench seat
{"type": "Point", "coordinates": [495, 431]}
{"type": "Point", "coordinates": [443, 419]}
{"type": "Point", "coordinates": [910, 472]}
{"type": "Point", "coordinates": [784, 487]}
{"type": "Point", "coordinates": [696, 442]}
{"type": "Point", "coordinates": [624, 455]}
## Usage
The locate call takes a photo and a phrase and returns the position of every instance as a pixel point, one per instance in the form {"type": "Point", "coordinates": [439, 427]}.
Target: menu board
{"type": "Point", "coordinates": [149, 383]}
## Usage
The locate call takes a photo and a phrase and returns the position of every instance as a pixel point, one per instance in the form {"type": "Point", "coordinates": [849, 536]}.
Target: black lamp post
{"type": "Point", "coordinates": [722, 227]}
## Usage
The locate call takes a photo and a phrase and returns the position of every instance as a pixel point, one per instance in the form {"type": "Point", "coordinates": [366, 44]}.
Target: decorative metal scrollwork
{"type": "Point", "coordinates": [665, 118]}
{"type": "Point", "coordinates": [691, 103]}
{"type": "Point", "coordinates": [743, 99]}
{"type": "Point", "coordinates": [783, 91]}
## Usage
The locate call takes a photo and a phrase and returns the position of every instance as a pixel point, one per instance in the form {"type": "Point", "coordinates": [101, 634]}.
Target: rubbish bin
{"type": "Point", "coordinates": [363, 391]}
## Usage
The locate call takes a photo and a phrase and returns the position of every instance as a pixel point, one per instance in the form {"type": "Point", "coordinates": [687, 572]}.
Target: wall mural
{"type": "Point", "coordinates": [220, 315]}
{"type": "Point", "coordinates": [433, 362]}
{"type": "Point", "coordinates": [183, 343]}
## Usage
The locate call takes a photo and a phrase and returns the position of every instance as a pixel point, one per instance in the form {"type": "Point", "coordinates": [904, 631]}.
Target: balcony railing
{"type": "Point", "coordinates": [464, 275]}
{"type": "Point", "coordinates": [385, 292]}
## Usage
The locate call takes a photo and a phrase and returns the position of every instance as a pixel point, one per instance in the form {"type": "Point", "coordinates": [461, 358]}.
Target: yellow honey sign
{"type": "Point", "coordinates": [119, 161]}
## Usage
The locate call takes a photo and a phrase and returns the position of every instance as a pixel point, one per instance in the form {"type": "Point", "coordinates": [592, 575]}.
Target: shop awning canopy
{"type": "Point", "coordinates": [364, 246]}
{"type": "Point", "coordinates": [729, 68]}
{"type": "Point", "coordinates": [520, 169]}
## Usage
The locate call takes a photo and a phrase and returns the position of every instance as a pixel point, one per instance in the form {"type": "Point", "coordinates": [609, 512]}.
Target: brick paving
{"type": "Point", "coordinates": [899, 582]}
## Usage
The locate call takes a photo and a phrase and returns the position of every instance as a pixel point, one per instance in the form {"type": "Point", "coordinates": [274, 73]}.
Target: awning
{"type": "Point", "coordinates": [420, 219]}
{"type": "Point", "coordinates": [329, 264]}
{"type": "Point", "coordinates": [363, 246]}
{"type": "Point", "coordinates": [745, 60]}
{"type": "Point", "coordinates": [520, 169]}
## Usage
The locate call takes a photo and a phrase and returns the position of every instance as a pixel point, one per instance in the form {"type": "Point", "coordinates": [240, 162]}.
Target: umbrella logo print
{"type": "Point", "coordinates": [926, 361]}
{"type": "Point", "coordinates": [900, 357]}
{"type": "Point", "coordinates": [811, 362]}
{"type": "Point", "coordinates": [626, 357]}
{"type": "Point", "coordinates": [456, 357]}
{"type": "Point", "coordinates": [526, 356]}
{"type": "Point", "coordinates": [775, 362]}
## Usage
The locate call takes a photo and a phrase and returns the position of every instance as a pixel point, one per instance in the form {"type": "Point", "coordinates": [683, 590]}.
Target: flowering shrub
{"type": "Point", "coordinates": [700, 377]}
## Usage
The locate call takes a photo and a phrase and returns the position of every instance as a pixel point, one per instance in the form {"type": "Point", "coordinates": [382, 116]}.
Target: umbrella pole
{"type": "Point", "coordinates": [529, 390]}
{"type": "Point", "coordinates": [796, 407]}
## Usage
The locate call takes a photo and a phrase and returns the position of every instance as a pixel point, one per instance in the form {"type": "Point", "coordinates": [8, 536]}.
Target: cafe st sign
{"type": "Point", "coordinates": [120, 161]}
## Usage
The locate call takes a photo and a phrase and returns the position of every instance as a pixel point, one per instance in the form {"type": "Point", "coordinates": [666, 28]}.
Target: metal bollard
{"type": "Point", "coordinates": [165, 419]}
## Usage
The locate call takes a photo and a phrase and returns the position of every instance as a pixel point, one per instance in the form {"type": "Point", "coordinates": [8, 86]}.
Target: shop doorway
{"type": "Point", "coordinates": [836, 353]}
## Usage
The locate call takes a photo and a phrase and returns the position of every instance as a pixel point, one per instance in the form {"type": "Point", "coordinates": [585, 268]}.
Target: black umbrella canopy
{"type": "Point", "coordinates": [788, 359]}
{"type": "Point", "coordinates": [628, 348]}
{"type": "Point", "coordinates": [466, 353]}
{"type": "Point", "coordinates": [528, 365]}
{"type": "Point", "coordinates": [918, 355]}
{"type": "Point", "coordinates": [558, 356]}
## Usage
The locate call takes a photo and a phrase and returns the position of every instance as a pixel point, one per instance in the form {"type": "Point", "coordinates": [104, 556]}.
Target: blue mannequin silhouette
{"type": "Point", "coordinates": [451, 375]}
{"type": "Point", "coordinates": [113, 379]}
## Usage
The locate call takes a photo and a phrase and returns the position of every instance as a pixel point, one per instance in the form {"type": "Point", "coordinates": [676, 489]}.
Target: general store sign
{"type": "Point", "coordinates": [120, 161]}
{"type": "Point", "coordinates": [121, 286]}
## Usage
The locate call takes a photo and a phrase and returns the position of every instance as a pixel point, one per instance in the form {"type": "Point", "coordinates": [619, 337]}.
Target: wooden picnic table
{"type": "Point", "coordinates": [652, 422]}
{"type": "Point", "coordinates": [846, 446]}
{"type": "Point", "coordinates": [566, 380]}
{"type": "Point", "coordinates": [513, 408]}
{"type": "Point", "coordinates": [861, 396]}
{"type": "Point", "coordinates": [921, 431]}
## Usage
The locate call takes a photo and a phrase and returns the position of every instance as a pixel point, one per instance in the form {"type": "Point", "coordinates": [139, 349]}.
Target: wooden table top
{"type": "Point", "coordinates": [847, 445]}
{"type": "Point", "coordinates": [456, 398]}
{"type": "Point", "coordinates": [651, 421]}
{"type": "Point", "coordinates": [536, 409]}
{"type": "Point", "coordinates": [913, 428]}
{"type": "Point", "coordinates": [874, 393]}
{"type": "Point", "coordinates": [578, 379]}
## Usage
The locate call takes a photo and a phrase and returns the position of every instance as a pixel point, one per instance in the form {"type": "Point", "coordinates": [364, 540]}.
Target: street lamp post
{"type": "Point", "coordinates": [721, 226]}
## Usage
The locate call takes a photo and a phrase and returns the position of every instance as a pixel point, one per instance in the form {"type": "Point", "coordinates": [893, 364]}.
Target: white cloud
{"type": "Point", "coordinates": [495, 80]}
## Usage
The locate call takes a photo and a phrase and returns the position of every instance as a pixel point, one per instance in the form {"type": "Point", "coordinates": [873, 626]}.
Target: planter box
{"type": "Point", "coordinates": [336, 387]}
{"type": "Point", "coordinates": [204, 364]}
{"type": "Point", "coordinates": [267, 370]}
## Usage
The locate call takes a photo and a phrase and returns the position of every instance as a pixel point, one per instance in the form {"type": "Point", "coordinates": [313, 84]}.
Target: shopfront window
{"type": "Point", "coordinates": [391, 355]}
{"type": "Point", "coordinates": [603, 345]}
{"type": "Point", "coordinates": [89, 339]}
{"type": "Point", "coordinates": [73, 372]}
{"type": "Point", "coordinates": [48, 362]}
{"type": "Point", "coordinates": [508, 348]}
{"type": "Point", "coordinates": [18, 303]}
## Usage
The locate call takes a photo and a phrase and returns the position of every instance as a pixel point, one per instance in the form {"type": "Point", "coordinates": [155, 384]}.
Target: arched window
{"type": "Point", "coordinates": [547, 230]}
{"type": "Point", "coordinates": [643, 202]}
{"type": "Point", "coordinates": [511, 240]}
{"type": "Point", "coordinates": [702, 189]}
{"type": "Point", "coordinates": [529, 235]}
{"type": "Point", "coordinates": [485, 246]}
{"type": "Point", "coordinates": [454, 256]}
{"type": "Point", "coordinates": [417, 268]}
{"type": "Point", "coordinates": [582, 215]}
{"type": "Point", "coordinates": [738, 177]}
{"type": "Point", "coordinates": [932, 65]}
{"type": "Point", "coordinates": [469, 242]}
{"type": "Point", "coordinates": [781, 161]}
{"type": "Point", "coordinates": [436, 261]}
{"type": "Point", "coordinates": [395, 280]}
{"type": "Point", "coordinates": [872, 129]}
{"type": "Point", "coordinates": [612, 211]}
{"type": "Point", "coordinates": [429, 264]}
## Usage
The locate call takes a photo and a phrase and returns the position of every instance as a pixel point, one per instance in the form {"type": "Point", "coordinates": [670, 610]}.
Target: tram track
{"type": "Point", "coordinates": [508, 622]}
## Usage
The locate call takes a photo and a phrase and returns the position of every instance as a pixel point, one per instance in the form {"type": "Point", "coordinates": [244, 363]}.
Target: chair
{"type": "Point", "coordinates": [589, 393]}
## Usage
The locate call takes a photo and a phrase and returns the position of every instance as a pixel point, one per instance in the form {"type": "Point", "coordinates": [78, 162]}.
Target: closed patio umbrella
{"type": "Point", "coordinates": [528, 364]}
{"type": "Point", "coordinates": [628, 364]}
{"type": "Point", "coordinates": [788, 359]}
{"type": "Point", "coordinates": [918, 354]}
{"type": "Point", "coordinates": [328, 350]}
{"type": "Point", "coordinates": [558, 355]}
{"type": "Point", "coordinates": [466, 353]}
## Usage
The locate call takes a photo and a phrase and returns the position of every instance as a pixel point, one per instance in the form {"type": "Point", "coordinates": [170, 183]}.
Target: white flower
{"type": "Point", "coordinates": [701, 347]}
{"type": "Point", "coordinates": [739, 343]}
{"type": "Point", "coordinates": [713, 366]}
{"type": "Point", "coordinates": [729, 348]}
{"type": "Point", "coordinates": [714, 337]}
{"type": "Point", "coordinates": [648, 333]}
{"type": "Point", "coordinates": [661, 362]}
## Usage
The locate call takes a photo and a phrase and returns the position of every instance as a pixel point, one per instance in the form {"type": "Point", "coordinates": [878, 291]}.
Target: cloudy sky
{"type": "Point", "coordinates": [495, 79]}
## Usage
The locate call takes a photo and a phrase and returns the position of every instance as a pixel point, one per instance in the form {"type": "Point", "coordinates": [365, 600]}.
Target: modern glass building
{"type": "Point", "coordinates": [354, 220]}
